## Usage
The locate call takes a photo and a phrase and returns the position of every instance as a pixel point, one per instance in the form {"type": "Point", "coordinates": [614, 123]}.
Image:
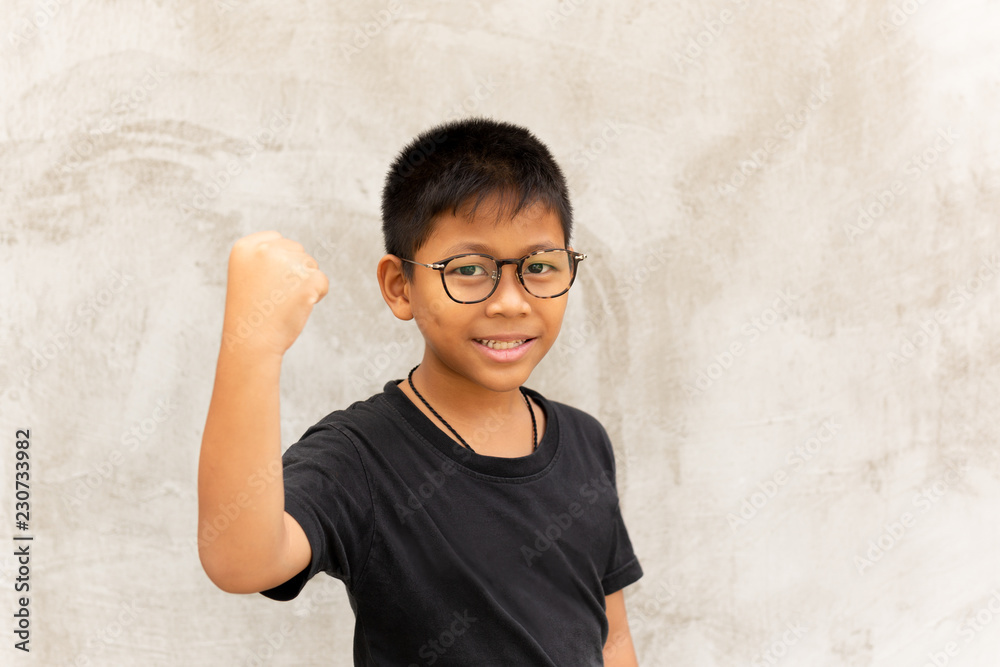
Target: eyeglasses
{"type": "Point", "coordinates": [472, 278]}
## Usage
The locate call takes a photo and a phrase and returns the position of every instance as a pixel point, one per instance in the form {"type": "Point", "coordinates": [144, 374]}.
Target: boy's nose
{"type": "Point", "coordinates": [510, 294]}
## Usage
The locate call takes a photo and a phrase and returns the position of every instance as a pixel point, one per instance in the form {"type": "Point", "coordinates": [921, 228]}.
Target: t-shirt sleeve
{"type": "Point", "coordinates": [623, 567]}
{"type": "Point", "coordinates": [328, 492]}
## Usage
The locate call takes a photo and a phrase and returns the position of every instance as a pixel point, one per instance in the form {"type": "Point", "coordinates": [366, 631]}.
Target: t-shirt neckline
{"type": "Point", "coordinates": [522, 466]}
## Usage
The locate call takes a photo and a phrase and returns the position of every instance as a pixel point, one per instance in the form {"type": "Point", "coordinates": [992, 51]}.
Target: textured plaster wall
{"type": "Point", "coordinates": [787, 321]}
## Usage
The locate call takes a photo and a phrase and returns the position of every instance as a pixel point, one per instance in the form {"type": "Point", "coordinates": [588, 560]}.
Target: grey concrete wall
{"type": "Point", "coordinates": [787, 320]}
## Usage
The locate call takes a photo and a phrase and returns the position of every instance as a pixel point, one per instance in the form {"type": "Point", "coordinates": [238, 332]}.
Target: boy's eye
{"type": "Point", "coordinates": [538, 267]}
{"type": "Point", "coordinates": [470, 270]}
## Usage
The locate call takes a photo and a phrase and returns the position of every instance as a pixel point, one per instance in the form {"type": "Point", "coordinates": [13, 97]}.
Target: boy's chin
{"type": "Point", "coordinates": [497, 378]}
{"type": "Point", "coordinates": [504, 379]}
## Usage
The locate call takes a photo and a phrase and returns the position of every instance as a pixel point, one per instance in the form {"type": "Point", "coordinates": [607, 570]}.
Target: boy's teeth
{"type": "Point", "coordinates": [500, 345]}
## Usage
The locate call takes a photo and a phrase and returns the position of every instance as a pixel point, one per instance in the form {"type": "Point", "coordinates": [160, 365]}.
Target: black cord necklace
{"type": "Point", "coordinates": [534, 430]}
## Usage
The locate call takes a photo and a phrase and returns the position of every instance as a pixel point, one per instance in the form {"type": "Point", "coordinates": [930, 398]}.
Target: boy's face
{"type": "Point", "coordinates": [452, 330]}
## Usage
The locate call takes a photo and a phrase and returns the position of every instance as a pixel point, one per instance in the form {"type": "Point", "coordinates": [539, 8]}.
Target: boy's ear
{"type": "Point", "coordinates": [394, 286]}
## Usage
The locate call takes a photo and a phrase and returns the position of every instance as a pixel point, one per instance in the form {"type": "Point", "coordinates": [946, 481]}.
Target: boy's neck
{"type": "Point", "coordinates": [492, 422]}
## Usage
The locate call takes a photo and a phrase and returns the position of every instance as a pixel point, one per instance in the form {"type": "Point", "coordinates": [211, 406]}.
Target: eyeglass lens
{"type": "Point", "coordinates": [545, 274]}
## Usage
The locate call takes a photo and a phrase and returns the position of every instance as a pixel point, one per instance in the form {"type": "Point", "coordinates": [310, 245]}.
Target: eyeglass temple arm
{"type": "Point", "coordinates": [436, 265]}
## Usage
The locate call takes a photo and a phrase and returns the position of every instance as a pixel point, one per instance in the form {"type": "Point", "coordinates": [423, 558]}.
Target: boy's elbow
{"type": "Point", "coordinates": [216, 572]}
{"type": "Point", "coordinates": [251, 566]}
{"type": "Point", "coordinates": [240, 573]}
{"type": "Point", "coordinates": [221, 572]}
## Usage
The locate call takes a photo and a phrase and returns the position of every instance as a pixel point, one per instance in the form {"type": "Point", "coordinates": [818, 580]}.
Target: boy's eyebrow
{"type": "Point", "coordinates": [487, 250]}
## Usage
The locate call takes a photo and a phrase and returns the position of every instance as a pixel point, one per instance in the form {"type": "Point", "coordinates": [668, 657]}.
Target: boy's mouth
{"type": "Point", "coordinates": [502, 344]}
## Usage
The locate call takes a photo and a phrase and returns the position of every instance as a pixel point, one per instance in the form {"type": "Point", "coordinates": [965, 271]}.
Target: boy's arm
{"type": "Point", "coordinates": [618, 649]}
{"type": "Point", "coordinates": [246, 541]}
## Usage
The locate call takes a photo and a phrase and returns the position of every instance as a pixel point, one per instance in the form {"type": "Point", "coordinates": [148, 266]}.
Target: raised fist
{"type": "Point", "coordinates": [273, 284]}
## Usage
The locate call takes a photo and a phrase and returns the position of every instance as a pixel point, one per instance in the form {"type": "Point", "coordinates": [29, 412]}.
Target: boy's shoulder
{"type": "Point", "coordinates": [363, 411]}
{"type": "Point", "coordinates": [570, 414]}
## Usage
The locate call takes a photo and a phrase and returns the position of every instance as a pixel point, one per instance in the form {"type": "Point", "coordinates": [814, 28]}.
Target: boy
{"type": "Point", "coordinates": [484, 530]}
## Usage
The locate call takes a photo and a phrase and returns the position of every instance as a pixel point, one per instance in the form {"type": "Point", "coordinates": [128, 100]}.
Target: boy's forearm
{"type": "Point", "coordinates": [240, 489]}
{"type": "Point", "coordinates": [619, 650]}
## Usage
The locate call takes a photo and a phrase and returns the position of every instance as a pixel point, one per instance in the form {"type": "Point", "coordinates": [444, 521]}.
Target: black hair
{"type": "Point", "coordinates": [461, 162]}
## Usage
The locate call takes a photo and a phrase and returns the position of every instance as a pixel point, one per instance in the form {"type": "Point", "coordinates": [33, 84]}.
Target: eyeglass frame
{"type": "Point", "coordinates": [574, 257]}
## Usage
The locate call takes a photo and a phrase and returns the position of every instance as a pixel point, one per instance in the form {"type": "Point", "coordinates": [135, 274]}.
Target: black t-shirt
{"type": "Point", "coordinates": [454, 558]}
